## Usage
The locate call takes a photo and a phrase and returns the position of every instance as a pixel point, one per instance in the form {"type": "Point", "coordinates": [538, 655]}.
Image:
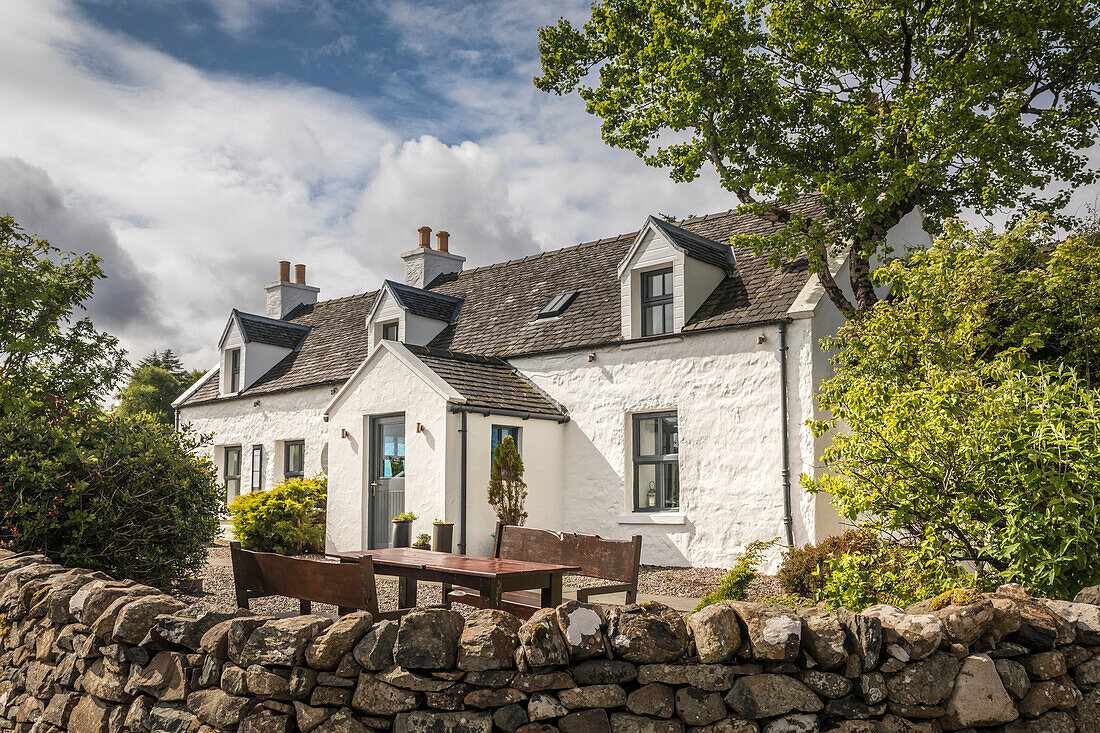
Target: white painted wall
{"type": "Point", "coordinates": [542, 444]}
{"type": "Point", "coordinates": [411, 329]}
{"type": "Point", "coordinates": [725, 389]}
{"type": "Point", "coordinates": [385, 387]}
{"type": "Point", "coordinates": [279, 417]}
{"type": "Point", "coordinates": [283, 297]}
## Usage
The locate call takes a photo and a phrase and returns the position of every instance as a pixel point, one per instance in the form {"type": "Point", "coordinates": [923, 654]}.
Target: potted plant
{"type": "Point", "coordinates": [507, 489]}
{"type": "Point", "coordinates": [423, 541]}
{"type": "Point", "coordinates": [442, 535]}
{"type": "Point", "coordinates": [402, 529]}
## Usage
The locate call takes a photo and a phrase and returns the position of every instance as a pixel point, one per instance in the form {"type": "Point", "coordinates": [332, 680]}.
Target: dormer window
{"type": "Point", "coordinates": [390, 331]}
{"type": "Point", "coordinates": [558, 304]}
{"type": "Point", "coordinates": [235, 370]}
{"type": "Point", "coordinates": [657, 310]}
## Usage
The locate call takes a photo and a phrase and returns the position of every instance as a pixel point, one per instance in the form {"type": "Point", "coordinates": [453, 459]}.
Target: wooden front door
{"type": "Point", "coordinates": [386, 498]}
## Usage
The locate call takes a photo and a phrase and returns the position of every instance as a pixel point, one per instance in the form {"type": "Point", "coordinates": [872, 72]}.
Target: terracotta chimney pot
{"type": "Point", "coordinates": [442, 239]}
{"type": "Point", "coordinates": [300, 274]}
{"type": "Point", "coordinates": [284, 271]}
{"type": "Point", "coordinates": [425, 237]}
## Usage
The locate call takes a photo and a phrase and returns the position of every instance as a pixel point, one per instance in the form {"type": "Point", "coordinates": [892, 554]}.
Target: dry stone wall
{"type": "Point", "coordinates": [86, 653]}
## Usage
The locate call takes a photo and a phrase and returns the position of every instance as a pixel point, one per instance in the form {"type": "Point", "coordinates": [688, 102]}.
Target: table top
{"type": "Point", "coordinates": [448, 562]}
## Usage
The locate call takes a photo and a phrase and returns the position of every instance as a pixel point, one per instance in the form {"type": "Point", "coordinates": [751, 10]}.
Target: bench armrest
{"type": "Point", "coordinates": [584, 593]}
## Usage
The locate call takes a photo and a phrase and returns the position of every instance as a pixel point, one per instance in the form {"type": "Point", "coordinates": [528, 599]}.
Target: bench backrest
{"type": "Point", "coordinates": [346, 585]}
{"type": "Point", "coordinates": [598, 558]}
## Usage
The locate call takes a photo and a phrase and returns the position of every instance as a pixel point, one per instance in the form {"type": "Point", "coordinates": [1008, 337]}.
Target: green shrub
{"type": "Point", "coordinates": [405, 517]}
{"type": "Point", "coordinates": [805, 569]}
{"type": "Point", "coordinates": [288, 519]}
{"type": "Point", "coordinates": [125, 495]}
{"type": "Point", "coordinates": [740, 575]}
{"type": "Point", "coordinates": [892, 574]}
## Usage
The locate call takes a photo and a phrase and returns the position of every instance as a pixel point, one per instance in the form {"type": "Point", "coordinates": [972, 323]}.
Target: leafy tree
{"type": "Point", "coordinates": [126, 495]}
{"type": "Point", "coordinates": [970, 407]}
{"type": "Point", "coordinates": [880, 107]}
{"type": "Point", "coordinates": [42, 344]}
{"type": "Point", "coordinates": [507, 489]}
{"type": "Point", "coordinates": [156, 382]}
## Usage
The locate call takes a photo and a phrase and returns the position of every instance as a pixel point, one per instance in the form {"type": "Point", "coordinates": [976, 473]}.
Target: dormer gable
{"type": "Point", "coordinates": [409, 315]}
{"type": "Point", "coordinates": [667, 273]}
{"type": "Point", "coordinates": [251, 345]}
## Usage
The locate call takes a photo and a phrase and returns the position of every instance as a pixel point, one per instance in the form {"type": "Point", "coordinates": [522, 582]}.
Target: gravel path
{"type": "Point", "coordinates": [653, 580]}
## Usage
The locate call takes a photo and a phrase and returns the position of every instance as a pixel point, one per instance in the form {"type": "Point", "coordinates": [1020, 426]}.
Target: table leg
{"type": "Point", "coordinates": [495, 594]}
{"type": "Point", "coordinates": [406, 592]}
{"type": "Point", "coordinates": [551, 594]}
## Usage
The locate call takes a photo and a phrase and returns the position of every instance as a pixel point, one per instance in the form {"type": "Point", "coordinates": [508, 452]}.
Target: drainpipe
{"type": "Point", "coordinates": [462, 490]}
{"type": "Point", "coordinates": [788, 518]}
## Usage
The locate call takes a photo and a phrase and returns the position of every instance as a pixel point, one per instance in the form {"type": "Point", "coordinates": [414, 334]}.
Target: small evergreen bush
{"type": "Point", "coordinates": [740, 575]}
{"type": "Point", "coordinates": [507, 489]}
{"type": "Point", "coordinates": [288, 519]}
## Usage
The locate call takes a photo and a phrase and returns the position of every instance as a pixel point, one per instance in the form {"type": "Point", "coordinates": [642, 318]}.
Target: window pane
{"type": "Point", "coordinates": [666, 282]}
{"type": "Point", "coordinates": [671, 485]}
{"type": "Point", "coordinates": [670, 438]}
{"type": "Point", "coordinates": [667, 313]}
{"type": "Point", "coordinates": [647, 493]}
{"type": "Point", "coordinates": [232, 489]}
{"type": "Point", "coordinates": [499, 433]}
{"type": "Point", "coordinates": [647, 436]}
{"type": "Point", "coordinates": [233, 462]}
{"type": "Point", "coordinates": [389, 332]}
{"type": "Point", "coordinates": [257, 467]}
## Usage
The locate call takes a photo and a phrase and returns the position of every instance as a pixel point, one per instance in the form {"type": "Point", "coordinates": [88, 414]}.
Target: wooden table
{"type": "Point", "coordinates": [490, 576]}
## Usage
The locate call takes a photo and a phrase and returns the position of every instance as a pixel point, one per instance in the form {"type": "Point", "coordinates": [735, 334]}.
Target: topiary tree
{"type": "Point", "coordinates": [970, 409]}
{"type": "Point", "coordinates": [507, 489]}
{"type": "Point", "coordinates": [125, 495]}
{"type": "Point", "coordinates": [288, 519]}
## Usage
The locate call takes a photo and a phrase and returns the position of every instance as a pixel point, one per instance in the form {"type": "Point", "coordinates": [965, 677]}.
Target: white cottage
{"type": "Point", "coordinates": [657, 383]}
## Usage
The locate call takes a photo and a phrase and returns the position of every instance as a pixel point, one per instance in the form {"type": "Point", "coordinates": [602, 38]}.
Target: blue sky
{"type": "Point", "coordinates": [194, 143]}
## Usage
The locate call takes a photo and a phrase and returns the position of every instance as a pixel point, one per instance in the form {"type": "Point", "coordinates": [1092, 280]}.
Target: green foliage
{"type": "Point", "coordinates": [125, 495]}
{"type": "Point", "coordinates": [789, 600]}
{"type": "Point", "coordinates": [970, 409]}
{"type": "Point", "coordinates": [43, 347]}
{"type": "Point", "coordinates": [956, 597]}
{"type": "Point", "coordinates": [289, 519]}
{"type": "Point", "coordinates": [507, 489]}
{"type": "Point", "coordinates": [405, 517]}
{"type": "Point", "coordinates": [154, 384]}
{"type": "Point", "coordinates": [893, 574]}
{"type": "Point", "coordinates": [735, 583]}
{"type": "Point", "coordinates": [805, 569]}
{"type": "Point", "coordinates": [878, 106]}
{"type": "Point", "coordinates": [423, 540]}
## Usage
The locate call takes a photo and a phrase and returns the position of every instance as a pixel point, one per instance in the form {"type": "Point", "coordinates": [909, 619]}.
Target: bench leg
{"type": "Point", "coordinates": [551, 594]}
{"type": "Point", "coordinates": [406, 592]}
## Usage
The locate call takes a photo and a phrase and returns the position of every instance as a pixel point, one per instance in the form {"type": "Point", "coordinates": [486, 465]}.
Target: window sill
{"type": "Point", "coordinates": [653, 518]}
{"type": "Point", "coordinates": [641, 342]}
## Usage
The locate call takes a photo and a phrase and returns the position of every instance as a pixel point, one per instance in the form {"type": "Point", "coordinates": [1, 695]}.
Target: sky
{"type": "Point", "coordinates": [192, 144]}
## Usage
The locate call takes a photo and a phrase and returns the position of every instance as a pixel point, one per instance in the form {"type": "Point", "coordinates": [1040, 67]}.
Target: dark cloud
{"type": "Point", "coordinates": [124, 302]}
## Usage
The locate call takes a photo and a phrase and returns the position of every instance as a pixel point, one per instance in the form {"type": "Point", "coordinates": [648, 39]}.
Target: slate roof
{"type": "Point", "coordinates": [425, 303]}
{"type": "Point", "coordinates": [499, 305]}
{"type": "Point", "coordinates": [332, 350]}
{"type": "Point", "coordinates": [695, 246]}
{"type": "Point", "coordinates": [486, 381]}
{"type": "Point", "coordinates": [264, 330]}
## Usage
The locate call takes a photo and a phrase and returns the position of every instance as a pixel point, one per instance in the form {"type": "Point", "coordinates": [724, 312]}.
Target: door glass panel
{"type": "Point", "coordinates": [387, 478]}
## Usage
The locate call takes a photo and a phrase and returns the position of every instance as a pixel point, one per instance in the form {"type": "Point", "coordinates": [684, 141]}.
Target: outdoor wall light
{"type": "Point", "coordinates": [420, 427]}
{"type": "Point", "coordinates": [256, 403]}
{"type": "Point", "coordinates": [592, 356]}
{"type": "Point", "coordinates": [761, 339]}
{"type": "Point", "coordinates": [343, 432]}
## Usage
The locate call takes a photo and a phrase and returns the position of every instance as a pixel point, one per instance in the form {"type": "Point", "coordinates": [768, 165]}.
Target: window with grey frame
{"type": "Point", "coordinates": [235, 370]}
{"type": "Point", "coordinates": [257, 468]}
{"type": "Point", "coordinates": [390, 331]}
{"type": "Point", "coordinates": [294, 458]}
{"type": "Point", "coordinates": [656, 462]}
{"type": "Point", "coordinates": [232, 473]}
{"type": "Point", "coordinates": [657, 302]}
{"type": "Point", "coordinates": [499, 432]}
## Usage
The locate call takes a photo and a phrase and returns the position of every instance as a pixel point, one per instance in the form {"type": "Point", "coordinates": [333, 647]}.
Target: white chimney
{"type": "Point", "coordinates": [284, 296]}
{"type": "Point", "coordinates": [424, 264]}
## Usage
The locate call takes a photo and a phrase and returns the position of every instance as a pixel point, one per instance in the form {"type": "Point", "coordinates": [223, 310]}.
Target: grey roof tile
{"type": "Point", "coordinates": [499, 304]}
{"type": "Point", "coordinates": [264, 330]}
{"type": "Point", "coordinates": [426, 303]}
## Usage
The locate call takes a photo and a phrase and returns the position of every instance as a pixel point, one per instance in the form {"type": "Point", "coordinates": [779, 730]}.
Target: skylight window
{"type": "Point", "coordinates": [558, 304]}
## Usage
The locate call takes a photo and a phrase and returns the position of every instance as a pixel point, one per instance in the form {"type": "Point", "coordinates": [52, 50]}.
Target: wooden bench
{"type": "Point", "coordinates": [616, 561]}
{"type": "Point", "coordinates": [348, 586]}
